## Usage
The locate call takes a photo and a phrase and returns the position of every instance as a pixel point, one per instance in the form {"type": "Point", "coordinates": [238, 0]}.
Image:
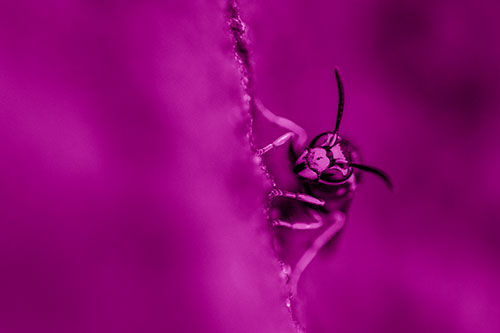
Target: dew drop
{"type": "Point", "coordinates": [286, 270]}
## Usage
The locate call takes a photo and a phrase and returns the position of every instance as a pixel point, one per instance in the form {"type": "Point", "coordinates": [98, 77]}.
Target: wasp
{"type": "Point", "coordinates": [328, 172]}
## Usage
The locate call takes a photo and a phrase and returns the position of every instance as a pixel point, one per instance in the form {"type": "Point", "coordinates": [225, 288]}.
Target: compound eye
{"type": "Point", "coordinates": [339, 172]}
{"type": "Point", "coordinates": [341, 164]}
{"type": "Point", "coordinates": [343, 168]}
{"type": "Point", "coordinates": [335, 175]}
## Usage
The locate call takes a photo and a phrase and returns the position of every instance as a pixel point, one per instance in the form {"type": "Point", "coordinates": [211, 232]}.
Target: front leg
{"type": "Point", "coordinates": [300, 135]}
{"type": "Point", "coordinates": [276, 143]}
{"type": "Point", "coordinates": [297, 196]}
{"type": "Point", "coordinates": [300, 225]}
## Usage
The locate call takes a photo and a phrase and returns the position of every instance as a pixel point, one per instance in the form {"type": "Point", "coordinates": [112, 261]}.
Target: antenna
{"type": "Point", "coordinates": [375, 171]}
{"type": "Point", "coordinates": [340, 109]}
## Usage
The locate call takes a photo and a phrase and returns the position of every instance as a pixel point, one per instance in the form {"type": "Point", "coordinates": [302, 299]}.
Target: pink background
{"type": "Point", "coordinates": [129, 201]}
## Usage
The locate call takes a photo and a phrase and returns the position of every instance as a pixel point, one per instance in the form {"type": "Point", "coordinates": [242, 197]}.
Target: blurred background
{"type": "Point", "coordinates": [129, 201]}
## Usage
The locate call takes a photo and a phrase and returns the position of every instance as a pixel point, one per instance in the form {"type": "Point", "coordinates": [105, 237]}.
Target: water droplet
{"type": "Point", "coordinates": [247, 98]}
{"type": "Point", "coordinates": [286, 270]}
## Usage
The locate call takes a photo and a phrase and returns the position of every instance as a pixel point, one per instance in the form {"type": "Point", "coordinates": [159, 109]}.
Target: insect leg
{"type": "Point", "coordinates": [296, 195]}
{"type": "Point", "coordinates": [276, 143]}
{"type": "Point", "coordinates": [297, 225]}
{"type": "Point", "coordinates": [299, 139]}
{"type": "Point", "coordinates": [311, 252]}
{"type": "Point", "coordinates": [300, 225]}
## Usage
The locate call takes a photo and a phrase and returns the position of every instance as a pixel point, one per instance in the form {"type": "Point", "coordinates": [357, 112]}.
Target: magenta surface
{"type": "Point", "coordinates": [129, 201]}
